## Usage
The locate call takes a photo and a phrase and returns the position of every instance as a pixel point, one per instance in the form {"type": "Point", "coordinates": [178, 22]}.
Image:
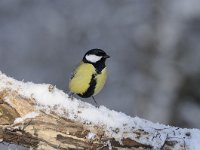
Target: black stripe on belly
{"type": "Point", "coordinates": [90, 90]}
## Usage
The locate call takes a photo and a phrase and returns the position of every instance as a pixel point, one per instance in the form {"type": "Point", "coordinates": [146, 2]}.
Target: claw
{"type": "Point", "coordinates": [70, 95]}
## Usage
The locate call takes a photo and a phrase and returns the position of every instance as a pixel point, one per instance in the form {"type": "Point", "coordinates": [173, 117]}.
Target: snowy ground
{"type": "Point", "coordinates": [118, 125]}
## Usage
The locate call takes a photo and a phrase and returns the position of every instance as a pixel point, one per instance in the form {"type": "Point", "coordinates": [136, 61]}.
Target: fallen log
{"type": "Point", "coordinates": [40, 116]}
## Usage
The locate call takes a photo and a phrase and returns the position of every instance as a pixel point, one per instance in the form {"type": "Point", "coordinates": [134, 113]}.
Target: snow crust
{"type": "Point", "coordinates": [27, 116]}
{"type": "Point", "coordinates": [90, 136]}
{"type": "Point", "coordinates": [117, 124]}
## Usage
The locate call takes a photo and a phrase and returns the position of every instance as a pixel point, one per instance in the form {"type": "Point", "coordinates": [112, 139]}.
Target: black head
{"type": "Point", "coordinates": [95, 55]}
{"type": "Point", "coordinates": [97, 58]}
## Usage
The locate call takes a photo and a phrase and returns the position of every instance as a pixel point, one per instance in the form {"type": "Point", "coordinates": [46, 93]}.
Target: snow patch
{"type": "Point", "coordinates": [90, 136]}
{"type": "Point", "coordinates": [27, 116]}
{"type": "Point", "coordinates": [109, 145]}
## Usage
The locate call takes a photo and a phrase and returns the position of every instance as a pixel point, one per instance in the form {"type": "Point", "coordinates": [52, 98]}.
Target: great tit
{"type": "Point", "coordinates": [89, 77]}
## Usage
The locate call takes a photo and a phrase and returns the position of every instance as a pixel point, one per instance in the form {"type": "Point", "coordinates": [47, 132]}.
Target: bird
{"type": "Point", "coordinates": [89, 77]}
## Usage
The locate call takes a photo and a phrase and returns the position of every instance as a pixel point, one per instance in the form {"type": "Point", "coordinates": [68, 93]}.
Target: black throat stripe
{"type": "Point", "coordinates": [99, 66]}
{"type": "Point", "coordinates": [90, 90]}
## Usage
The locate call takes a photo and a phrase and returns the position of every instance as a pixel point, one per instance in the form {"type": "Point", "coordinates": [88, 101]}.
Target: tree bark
{"type": "Point", "coordinates": [50, 131]}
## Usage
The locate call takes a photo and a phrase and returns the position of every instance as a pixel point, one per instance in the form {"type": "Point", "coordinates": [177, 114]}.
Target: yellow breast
{"type": "Point", "coordinates": [81, 78]}
{"type": "Point", "coordinates": [101, 79]}
{"type": "Point", "coordinates": [80, 82]}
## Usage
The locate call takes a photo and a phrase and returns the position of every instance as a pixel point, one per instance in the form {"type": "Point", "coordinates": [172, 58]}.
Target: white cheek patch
{"type": "Point", "coordinates": [93, 58]}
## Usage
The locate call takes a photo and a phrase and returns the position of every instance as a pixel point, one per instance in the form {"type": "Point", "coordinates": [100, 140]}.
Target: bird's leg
{"type": "Point", "coordinates": [71, 95]}
{"type": "Point", "coordinates": [97, 105]}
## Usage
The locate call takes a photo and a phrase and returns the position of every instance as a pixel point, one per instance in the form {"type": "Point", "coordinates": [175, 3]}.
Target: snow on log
{"type": "Point", "coordinates": [40, 116]}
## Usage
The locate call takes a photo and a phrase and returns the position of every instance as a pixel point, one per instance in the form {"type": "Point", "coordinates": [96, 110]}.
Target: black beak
{"type": "Point", "coordinates": [106, 56]}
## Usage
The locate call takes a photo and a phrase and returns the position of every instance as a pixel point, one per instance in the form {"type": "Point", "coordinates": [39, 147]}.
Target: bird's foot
{"type": "Point", "coordinates": [97, 105]}
{"type": "Point", "coordinates": [71, 95]}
